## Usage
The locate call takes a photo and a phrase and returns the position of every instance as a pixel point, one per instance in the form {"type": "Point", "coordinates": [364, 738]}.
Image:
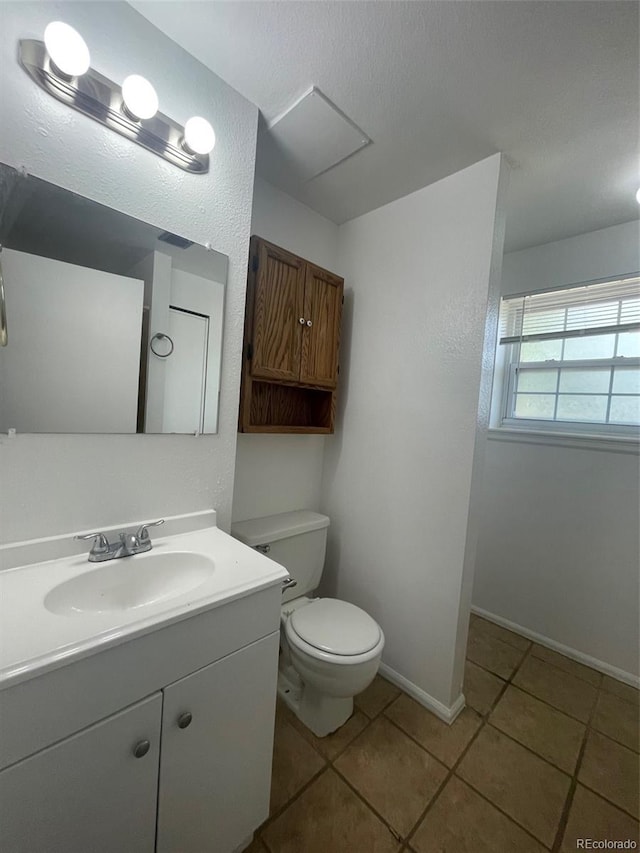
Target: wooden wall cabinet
{"type": "Point", "coordinates": [291, 343]}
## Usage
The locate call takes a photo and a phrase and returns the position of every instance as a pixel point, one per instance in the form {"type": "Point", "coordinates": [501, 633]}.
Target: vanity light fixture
{"type": "Point", "coordinates": [61, 66]}
{"type": "Point", "coordinates": [199, 136]}
{"type": "Point", "coordinates": [140, 100]}
{"type": "Point", "coordinates": [67, 50]}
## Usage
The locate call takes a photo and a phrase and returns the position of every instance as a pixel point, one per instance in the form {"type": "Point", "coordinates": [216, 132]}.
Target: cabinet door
{"type": "Point", "coordinates": [321, 339]}
{"type": "Point", "coordinates": [278, 300]}
{"type": "Point", "coordinates": [88, 792]}
{"type": "Point", "coordinates": [215, 773]}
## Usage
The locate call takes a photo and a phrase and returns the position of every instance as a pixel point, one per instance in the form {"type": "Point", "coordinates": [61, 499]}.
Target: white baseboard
{"type": "Point", "coordinates": [567, 651]}
{"type": "Point", "coordinates": [443, 712]}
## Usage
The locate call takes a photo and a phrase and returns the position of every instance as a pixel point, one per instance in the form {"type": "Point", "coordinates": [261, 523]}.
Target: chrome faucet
{"type": "Point", "coordinates": [127, 545]}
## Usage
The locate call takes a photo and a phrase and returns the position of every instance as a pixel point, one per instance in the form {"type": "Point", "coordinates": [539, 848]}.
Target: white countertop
{"type": "Point", "coordinates": [34, 640]}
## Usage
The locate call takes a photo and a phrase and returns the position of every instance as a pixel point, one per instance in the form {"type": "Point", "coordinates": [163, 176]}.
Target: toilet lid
{"type": "Point", "coordinates": [336, 627]}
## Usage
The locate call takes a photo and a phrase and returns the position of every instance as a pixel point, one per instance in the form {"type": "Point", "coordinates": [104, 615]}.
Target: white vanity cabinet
{"type": "Point", "coordinates": [217, 739]}
{"type": "Point", "coordinates": [89, 792]}
{"type": "Point", "coordinates": [203, 784]}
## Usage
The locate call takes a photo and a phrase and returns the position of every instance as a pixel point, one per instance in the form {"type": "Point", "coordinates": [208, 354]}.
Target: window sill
{"type": "Point", "coordinates": [585, 441]}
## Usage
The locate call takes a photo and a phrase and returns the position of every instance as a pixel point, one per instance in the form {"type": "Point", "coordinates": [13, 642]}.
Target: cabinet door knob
{"type": "Point", "coordinates": [184, 720]}
{"type": "Point", "coordinates": [141, 748]}
{"type": "Point", "coordinates": [309, 323]}
{"type": "Point", "coordinates": [301, 321]}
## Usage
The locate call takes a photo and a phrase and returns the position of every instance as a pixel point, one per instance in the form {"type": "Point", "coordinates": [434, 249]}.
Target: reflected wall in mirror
{"type": "Point", "coordinates": [113, 326]}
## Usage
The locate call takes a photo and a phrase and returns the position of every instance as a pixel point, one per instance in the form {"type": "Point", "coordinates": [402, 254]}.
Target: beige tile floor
{"type": "Point", "coordinates": [546, 752]}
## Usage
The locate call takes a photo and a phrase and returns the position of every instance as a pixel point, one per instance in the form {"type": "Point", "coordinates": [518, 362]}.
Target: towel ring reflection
{"type": "Point", "coordinates": [161, 337]}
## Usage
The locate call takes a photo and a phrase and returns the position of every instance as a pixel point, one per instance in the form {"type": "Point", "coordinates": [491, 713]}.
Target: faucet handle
{"type": "Point", "coordinates": [101, 544]}
{"type": "Point", "coordinates": [142, 534]}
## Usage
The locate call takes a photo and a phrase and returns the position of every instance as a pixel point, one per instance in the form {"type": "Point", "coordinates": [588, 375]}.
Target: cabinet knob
{"type": "Point", "coordinates": [309, 323]}
{"type": "Point", "coordinates": [184, 720]}
{"type": "Point", "coordinates": [141, 748]}
{"type": "Point", "coordinates": [301, 321]}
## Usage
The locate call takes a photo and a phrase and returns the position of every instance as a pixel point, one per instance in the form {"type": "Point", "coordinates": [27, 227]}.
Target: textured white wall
{"type": "Point", "coordinates": [52, 484]}
{"type": "Point", "coordinates": [278, 473]}
{"type": "Point", "coordinates": [587, 257]}
{"type": "Point", "coordinates": [558, 551]}
{"type": "Point", "coordinates": [398, 472]}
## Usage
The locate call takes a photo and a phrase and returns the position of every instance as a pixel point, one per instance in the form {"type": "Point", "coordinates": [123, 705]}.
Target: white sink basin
{"type": "Point", "coordinates": [130, 582]}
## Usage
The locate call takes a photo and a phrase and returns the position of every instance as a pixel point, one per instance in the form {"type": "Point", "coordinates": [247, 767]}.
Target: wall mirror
{"type": "Point", "coordinates": [112, 325]}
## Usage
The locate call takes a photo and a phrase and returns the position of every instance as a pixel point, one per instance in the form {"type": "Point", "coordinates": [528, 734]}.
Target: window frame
{"type": "Point", "coordinates": [509, 355]}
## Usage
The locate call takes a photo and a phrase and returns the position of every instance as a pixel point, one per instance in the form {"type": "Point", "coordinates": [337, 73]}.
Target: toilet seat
{"type": "Point", "coordinates": [336, 631]}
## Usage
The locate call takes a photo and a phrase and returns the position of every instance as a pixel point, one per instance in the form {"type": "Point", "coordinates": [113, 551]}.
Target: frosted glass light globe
{"type": "Point", "coordinates": [199, 136]}
{"type": "Point", "coordinates": [67, 49]}
{"type": "Point", "coordinates": [139, 97]}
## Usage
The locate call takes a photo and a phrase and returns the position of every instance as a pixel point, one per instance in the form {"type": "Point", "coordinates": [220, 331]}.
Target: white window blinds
{"type": "Point", "coordinates": [592, 309]}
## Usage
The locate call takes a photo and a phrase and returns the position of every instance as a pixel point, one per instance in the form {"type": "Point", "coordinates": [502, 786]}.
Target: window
{"type": "Point", "coordinates": [571, 358]}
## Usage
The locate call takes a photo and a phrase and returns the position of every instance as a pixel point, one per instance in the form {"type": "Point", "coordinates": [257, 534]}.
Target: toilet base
{"type": "Point", "coordinates": [320, 713]}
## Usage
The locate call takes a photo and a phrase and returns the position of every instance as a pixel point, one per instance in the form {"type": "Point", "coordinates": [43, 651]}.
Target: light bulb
{"type": "Point", "coordinates": [199, 136]}
{"type": "Point", "coordinates": [67, 49]}
{"type": "Point", "coordinates": [140, 98]}
{"type": "Point", "coordinates": [638, 196]}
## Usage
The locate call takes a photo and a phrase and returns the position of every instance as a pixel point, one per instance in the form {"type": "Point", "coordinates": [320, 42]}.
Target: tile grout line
{"type": "Point", "coordinates": [405, 840]}
{"type": "Point", "coordinates": [273, 817]}
{"type": "Point", "coordinates": [533, 696]}
{"type": "Point", "coordinates": [558, 668]}
{"type": "Point", "coordinates": [544, 701]}
{"type": "Point", "coordinates": [606, 734]}
{"type": "Point", "coordinates": [529, 749]}
{"type": "Point", "coordinates": [564, 817]}
{"type": "Point", "coordinates": [329, 763]}
{"type": "Point", "coordinates": [532, 643]}
{"type": "Point", "coordinates": [394, 832]}
{"type": "Point", "coordinates": [607, 800]}
{"type": "Point", "coordinates": [452, 770]}
{"type": "Point", "coordinates": [589, 727]}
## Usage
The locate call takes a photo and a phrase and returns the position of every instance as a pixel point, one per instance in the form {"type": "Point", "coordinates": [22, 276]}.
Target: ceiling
{"type": "Point", "coordinates": [438, 86]}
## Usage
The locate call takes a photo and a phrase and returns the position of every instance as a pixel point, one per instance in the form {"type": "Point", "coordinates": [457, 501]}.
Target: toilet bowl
{"type": "Point", "coordinates": [330, 650]}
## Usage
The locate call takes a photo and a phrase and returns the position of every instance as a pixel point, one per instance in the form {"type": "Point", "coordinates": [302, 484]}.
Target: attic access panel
{"type": "Point", "coordinates": [308, 139]}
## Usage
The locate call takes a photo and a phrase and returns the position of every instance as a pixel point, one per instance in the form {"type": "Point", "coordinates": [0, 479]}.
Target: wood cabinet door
{"type": "Point", "coordinates": [88, 792]}
{"type": "Point", "coordinates": [278, 300]}
{"type": "Point", "coordinates": [215, 772]}
{"type": "Point", "coordinates": [321, 340]}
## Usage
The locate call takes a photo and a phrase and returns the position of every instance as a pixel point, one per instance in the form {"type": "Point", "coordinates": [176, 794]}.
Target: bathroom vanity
{"type": "Point", "coordinates": [147, 726]}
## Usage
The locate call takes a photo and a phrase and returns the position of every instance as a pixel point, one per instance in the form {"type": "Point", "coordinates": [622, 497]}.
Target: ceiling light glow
{"type": "Point", "coordinates": [140, 98]}
{"type": "Point", "coordinates": [67, 49]}
{"type": "Point", "coordinates": [199, 136]}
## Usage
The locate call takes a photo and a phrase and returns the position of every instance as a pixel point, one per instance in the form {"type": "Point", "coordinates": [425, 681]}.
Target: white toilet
{"type": "Point", "coordinates": [330, 650]}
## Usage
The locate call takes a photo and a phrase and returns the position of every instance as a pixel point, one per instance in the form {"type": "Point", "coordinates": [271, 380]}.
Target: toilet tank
{"type": "Point", "coordinates": [297, 540]}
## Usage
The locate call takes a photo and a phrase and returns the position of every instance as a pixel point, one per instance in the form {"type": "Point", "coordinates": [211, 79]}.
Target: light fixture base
{"type": "Point", "coordinates": [99, 98]}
